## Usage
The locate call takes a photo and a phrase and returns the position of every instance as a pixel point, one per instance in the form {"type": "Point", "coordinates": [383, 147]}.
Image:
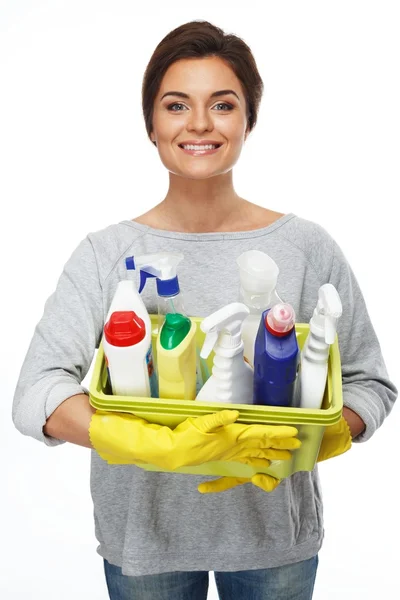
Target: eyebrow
{"type": "Point", "coordinates": [213, 95]}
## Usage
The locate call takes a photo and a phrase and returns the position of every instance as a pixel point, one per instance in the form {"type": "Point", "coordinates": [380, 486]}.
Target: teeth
{"type": "Point", "coordinates": [207, 147]}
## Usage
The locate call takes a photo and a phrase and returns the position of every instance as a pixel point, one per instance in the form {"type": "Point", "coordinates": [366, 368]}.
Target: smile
{"type": "Point", "coordinates": [200, 150]}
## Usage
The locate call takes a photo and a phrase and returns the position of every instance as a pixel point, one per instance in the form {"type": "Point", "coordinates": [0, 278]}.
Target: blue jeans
{"type": "Point", "coordinates": [290, 582]}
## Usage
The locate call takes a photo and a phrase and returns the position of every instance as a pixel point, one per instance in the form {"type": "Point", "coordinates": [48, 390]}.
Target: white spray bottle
{"type": "Point", "coordinates": [258, 278]}
{"type": "Point", "coordinates": [232, 378]}
{"type": "Point", "coordinates": [315, 352]}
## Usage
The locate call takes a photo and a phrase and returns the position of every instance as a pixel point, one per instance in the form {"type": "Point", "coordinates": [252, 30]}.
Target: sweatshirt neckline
{"type": "Point", "coordinates": [211, 236]}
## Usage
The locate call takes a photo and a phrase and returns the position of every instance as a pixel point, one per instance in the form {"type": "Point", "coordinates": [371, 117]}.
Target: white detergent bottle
{"type": "Point", "coordinates": [258, 277]}
{"type": "Point", "coordinates": [232, 378]}
{"type": "Point", "coordinates": [126, 343]}
{"type": "Point", "coordinates": [315, 353]}
{"type": "Point", "coordinates": [140, 358]}
{"type": "Point", "coordinates": [126, 297]}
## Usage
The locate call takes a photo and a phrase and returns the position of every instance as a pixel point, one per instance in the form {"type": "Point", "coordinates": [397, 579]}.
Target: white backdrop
{"type": "Point", "coordinates": [75, 158]}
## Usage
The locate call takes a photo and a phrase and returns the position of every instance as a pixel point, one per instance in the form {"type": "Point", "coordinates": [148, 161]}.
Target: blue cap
{"type": "Point", "coordinates": [168, 287]}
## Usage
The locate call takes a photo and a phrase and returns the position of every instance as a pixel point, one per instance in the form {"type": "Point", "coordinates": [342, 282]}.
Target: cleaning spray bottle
{"type": "Point", "coordinates": [276, 357]}
{"type": "Point", "coordinates": [174, 364]}
{"type": "Point", "coordinates": [162, 266]}
{"type": "Point", "coordinates": [232, 378]}
{"type": "Point", "coordinates": [315, 352]}
{"type": "Point", "coordinates": [258, 278]}
{"type": "Point", "coordinates": [127, 344]}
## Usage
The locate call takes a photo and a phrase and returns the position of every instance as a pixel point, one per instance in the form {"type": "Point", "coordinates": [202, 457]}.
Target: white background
{"type": "Point", "coordinates": [75, 158]}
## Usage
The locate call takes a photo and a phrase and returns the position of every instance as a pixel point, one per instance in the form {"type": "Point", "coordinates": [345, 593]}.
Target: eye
{"type": "Point", "coordinates": [230, 107]}
{"type": "Point", "coordinates": [170, 107]}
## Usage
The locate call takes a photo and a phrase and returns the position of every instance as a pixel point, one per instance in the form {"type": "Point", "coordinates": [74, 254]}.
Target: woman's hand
{"type": "Point", "coordinates": [337, 440]}
{"type": "Point", "coordinates": [355, 423]}
{"type": "Point", "coordinates": [261, 480]}
{"type": "Point", "coordinates": [127, 439]}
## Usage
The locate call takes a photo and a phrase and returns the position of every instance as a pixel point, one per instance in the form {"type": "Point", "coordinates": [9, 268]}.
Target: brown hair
{"type": "Point", "coordinates": [200, 39]}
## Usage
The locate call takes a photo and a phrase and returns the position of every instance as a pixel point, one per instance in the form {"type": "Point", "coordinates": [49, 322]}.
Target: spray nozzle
{"type": "Point", "coordinates": [329, 306]}
{"type": "Point", "coordinates": [224, 326]}
{"type": "Point", "coordinates": [163, 266]}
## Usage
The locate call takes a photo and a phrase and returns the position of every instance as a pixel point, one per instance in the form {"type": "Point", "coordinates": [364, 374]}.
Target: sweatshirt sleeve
{"type": "Point", "coordinates": [367, 389]}
{"type": "Point", "coordinates": [62, 347]}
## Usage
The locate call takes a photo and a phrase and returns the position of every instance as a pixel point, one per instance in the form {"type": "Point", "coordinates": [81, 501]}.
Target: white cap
{"type": "Point", "coordinates": [258, 272]}
{"type": "Point", "coordinates": [258, 278]}
{"type": "Point", "coordinates": [224, 326]}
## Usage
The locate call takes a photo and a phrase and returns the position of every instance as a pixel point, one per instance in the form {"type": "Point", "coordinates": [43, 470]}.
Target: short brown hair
{"type": "Point", "coordinates": [200, 39]}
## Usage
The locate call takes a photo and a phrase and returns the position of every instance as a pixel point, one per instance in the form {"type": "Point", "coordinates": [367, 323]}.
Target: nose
{"type": "Point", "coordinates": [199, 120]}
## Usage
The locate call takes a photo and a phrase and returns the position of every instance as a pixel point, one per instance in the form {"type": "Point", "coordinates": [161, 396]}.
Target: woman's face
{"type": "Point", "coordinates": [190, 109]}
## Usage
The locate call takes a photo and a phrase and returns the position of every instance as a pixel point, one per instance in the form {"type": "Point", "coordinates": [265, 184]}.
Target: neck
{"type": "Point", "coordinates": [200, 205]}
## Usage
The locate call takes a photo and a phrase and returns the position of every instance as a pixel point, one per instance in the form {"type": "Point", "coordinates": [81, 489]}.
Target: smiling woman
{"type": "Point", "coordinates": [202, 88]}
{"type": "Point", "coordinates": [159, 537]}
{"type": "Point", "coordinates": [207, 123]}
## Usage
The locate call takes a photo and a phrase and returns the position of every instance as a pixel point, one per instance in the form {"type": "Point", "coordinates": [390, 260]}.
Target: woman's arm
{"type": "Point", "coordinates": [50, 404]}
{"type": "Point", "coordinates": [368, 393]}
{"type": "Point", "coordinates": [70, 421]}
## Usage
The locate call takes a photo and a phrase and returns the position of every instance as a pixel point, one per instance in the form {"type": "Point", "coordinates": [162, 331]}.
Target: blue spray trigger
{"type": "Point", "coordinates": [144, 275]}
{"type": "Point", "coordinates": [130, 263]}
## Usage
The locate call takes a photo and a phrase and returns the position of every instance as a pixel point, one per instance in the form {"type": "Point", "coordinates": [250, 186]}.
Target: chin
{"type": "Point", "coordinates": [197, 174]}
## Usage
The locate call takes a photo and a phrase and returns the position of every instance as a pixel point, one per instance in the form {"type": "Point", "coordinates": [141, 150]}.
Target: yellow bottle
{"type": "Point", "coordinates": [176, 358]}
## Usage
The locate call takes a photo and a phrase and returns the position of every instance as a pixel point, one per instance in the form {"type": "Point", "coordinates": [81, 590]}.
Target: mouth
{"type": "Point", "coordinates": [203, 150]}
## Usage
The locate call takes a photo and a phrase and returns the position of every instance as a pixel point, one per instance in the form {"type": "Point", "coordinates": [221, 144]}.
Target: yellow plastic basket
{"type": "Point", "coordinates": [310, 423]}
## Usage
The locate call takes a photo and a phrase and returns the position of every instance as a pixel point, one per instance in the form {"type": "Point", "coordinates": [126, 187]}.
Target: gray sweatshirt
{"type": "Point", "coordinates": [149, 522]}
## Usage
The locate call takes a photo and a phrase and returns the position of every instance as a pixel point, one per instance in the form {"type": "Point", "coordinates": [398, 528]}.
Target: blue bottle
{"type": "Point", "coordinates": [276, 357]}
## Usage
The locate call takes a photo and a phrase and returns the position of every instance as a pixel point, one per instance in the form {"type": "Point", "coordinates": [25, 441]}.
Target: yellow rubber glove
{"type": "Point", "coordinates": [266, 482]}
{"type": "Point", "coordinates": [127, 439]}
{"type": "Point", "coordinates": [336, 440]}
{"type": "Point", "coordinates": [261, 480]}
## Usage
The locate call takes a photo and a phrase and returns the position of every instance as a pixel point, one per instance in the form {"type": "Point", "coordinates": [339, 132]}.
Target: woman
{"type": "Point", "coordinates": [158, 535]}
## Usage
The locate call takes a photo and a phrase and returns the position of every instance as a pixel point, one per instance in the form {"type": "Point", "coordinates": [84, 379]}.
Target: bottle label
{"type": "Point", "coordinates": [152, 373]}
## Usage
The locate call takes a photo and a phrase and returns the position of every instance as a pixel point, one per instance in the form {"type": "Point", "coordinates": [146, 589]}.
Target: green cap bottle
{"type": "Point", "coordinates": [174, 330]}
